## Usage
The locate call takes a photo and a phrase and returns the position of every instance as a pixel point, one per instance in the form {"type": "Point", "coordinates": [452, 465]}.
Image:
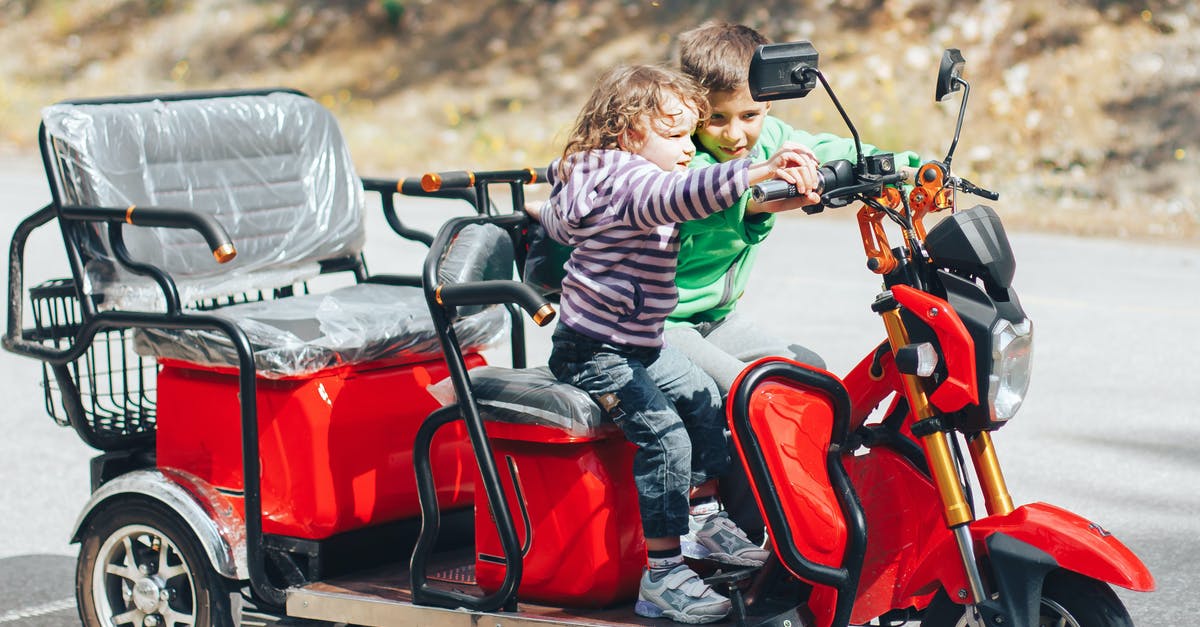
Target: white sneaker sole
{"type": "Point", "coordinates": [648, 609]}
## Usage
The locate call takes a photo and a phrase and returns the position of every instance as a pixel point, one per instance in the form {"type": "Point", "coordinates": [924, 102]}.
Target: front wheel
{"type": "Point", "coordinates": [1071, 599]}
{"type": "Point", "coordinates": [1068, 600]}
{"type": "Point", "coordinates": [140, 565]}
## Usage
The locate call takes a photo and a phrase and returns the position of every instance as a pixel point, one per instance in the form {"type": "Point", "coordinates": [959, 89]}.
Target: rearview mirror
{"type": "Point", "coordinates": [949, 73]}
{"type": "Point", "coordinates": [781, 71]}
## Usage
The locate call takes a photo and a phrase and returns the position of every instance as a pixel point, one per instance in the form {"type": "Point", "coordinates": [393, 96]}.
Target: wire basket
{"type": "Point", "coordinates": [114, 385]}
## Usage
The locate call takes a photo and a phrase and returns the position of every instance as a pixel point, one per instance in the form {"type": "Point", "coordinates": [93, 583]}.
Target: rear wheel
{"type": "Point", "coordinates": [1068, 600]}
{"type": "Point", "coordinates": [140, 565]}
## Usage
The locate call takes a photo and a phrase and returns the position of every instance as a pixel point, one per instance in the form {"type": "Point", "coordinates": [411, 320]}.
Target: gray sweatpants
{"type": "Point", "coordinates": [724, 348]}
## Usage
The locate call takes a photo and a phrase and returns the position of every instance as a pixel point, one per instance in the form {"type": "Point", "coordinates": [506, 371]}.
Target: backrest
{"type": "Point", "coordinates": [479, 251]}
{"type": "Point", "coordinates": [272, 167]}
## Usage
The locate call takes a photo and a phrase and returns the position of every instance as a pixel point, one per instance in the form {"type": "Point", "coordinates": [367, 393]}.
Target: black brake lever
{"type": "Point", "coordinates": [973, 189]}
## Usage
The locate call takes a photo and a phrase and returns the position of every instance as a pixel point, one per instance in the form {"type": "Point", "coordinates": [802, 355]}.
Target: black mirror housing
{"type": "Point", "coordinates": [950, 70]}
{"type": "Point", "coordinates": [783, 71]}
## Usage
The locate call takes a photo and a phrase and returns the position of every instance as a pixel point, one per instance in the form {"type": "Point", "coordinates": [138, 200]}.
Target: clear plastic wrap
{"type": "Point", "coordinates": [527, 396]}
{"type": "Point", "coordinates": [479, 252]}
{"type": "Point", "coordinates": [302, 335]}
{"type": "Point", "coordinates": [272, 168]}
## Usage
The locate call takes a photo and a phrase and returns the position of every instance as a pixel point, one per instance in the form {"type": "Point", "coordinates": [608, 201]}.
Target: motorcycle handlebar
{"type": "Point", "coordinates": [832, 177]}
{"type": "Point", "coordinates": [909, 176]}
{"type": "Point", "coordinates": [835, 179]}
{"type": "Point", "coordinates": [457, 179]}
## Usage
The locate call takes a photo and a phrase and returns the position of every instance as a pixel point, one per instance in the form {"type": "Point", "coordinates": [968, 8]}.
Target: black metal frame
{"type": "Point", "coordinates": [845, 578]}
{"type": "Point", "coordinates": [442, 300]}
{"type": "Point", "coordinates": [60, 348]}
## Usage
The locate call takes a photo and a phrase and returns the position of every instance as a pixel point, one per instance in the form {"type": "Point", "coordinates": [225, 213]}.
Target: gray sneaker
{"type": "Point", "coordinates": [718, 539]}
{"type": "Point", "coordinates": [680, 596]}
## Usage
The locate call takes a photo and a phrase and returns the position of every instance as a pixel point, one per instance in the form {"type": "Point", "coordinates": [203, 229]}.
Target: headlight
{"type": "Point", "coordinates": [1012, 352]}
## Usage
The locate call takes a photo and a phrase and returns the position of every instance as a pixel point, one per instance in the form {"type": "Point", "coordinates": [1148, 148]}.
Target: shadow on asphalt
{"type": "Point", "coordinates": [38, 590]}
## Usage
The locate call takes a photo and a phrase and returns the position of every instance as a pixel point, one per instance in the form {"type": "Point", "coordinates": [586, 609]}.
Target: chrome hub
{"type": "Point", "coordinates": [147, 595]}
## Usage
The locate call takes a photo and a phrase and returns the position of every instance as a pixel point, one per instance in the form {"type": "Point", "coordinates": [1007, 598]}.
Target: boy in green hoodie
{"type": "Point", "coordinates": [717, 253]}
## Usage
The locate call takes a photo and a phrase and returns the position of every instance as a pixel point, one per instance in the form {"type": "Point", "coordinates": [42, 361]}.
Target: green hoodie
{"type": "Point", "coordinates": [717, 253]}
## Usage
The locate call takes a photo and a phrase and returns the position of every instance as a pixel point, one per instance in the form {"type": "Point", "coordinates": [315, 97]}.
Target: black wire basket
{"type": "Point", "coordinates": [112, 385]}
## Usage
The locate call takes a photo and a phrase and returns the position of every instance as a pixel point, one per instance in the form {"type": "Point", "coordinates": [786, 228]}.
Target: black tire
{"type": "Point", "coordinates": [125, 548]}
{"type": "Point", "coordinates": [1068, 600]}
{"type": "Point", "coordinates": [1071, 597]}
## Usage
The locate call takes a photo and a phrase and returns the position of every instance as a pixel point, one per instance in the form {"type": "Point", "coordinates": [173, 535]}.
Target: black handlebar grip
{"type": "Point", "coordinates": [774, 189]}
{"type": "Point", "coordinates": [410, 187]}
{"type": "Point", "coordinates": [434, 181]}
{"type": "Point", "coordinates": [496, 292]}
{"type": "Point", "coordinates": [214, 234]}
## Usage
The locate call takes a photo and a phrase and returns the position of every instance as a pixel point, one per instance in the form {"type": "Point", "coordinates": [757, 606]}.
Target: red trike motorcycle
{"type": "Point", "coordinates": [272, 450]}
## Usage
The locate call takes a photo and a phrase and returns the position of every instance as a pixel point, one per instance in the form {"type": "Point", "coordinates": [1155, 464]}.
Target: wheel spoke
{"type": "Point", "coordinates": [132, 617]}
{"type": "Point", "coordinates": [123, 572]}
{"type": "Point", "coordinates": [166, 571]}
{"type": "Point", "coordinates": [128, 569]}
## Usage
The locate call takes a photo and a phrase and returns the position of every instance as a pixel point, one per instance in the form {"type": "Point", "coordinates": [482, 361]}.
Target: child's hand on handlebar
{"type": "Point", "coordinates": [796, 165]}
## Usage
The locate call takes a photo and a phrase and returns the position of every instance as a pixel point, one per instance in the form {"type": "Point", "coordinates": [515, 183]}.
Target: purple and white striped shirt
{"type": "Point", "coordinates": [620, 213]}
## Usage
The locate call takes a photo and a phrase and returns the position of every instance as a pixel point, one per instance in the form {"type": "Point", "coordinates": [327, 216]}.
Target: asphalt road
{"type": "Point", "coordinates": [1108, 429]}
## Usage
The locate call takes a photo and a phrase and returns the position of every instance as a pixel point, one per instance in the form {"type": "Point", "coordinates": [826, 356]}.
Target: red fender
{"type": "Point", "coordinates": [1076, 543]}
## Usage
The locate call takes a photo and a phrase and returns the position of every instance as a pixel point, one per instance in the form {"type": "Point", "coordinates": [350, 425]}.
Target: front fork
{"type": "Point", "coordinates": [956, 510]}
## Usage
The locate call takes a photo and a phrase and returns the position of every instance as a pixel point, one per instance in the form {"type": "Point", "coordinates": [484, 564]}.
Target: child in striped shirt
{"type": "Point", "coordinates": [618, 194]}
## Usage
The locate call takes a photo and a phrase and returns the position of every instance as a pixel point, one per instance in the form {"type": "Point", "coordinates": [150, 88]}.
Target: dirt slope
{"type": "Point", "coordinates": [1083, 114]}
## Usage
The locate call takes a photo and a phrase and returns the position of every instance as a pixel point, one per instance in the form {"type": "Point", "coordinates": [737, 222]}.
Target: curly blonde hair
{"type": "Point", "coordinates": [624, 99]}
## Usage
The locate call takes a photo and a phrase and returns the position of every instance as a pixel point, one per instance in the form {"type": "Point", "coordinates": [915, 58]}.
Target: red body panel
{"type": "Point", "coordinates": [792, 426]}
{"type": "Point", "coordinates": [903, 522]}
{"type": "Point", "coordinates": [336, 447]}
{"type": "Point", "coordinates": [585, 548]}
{"type": "Point", "coordinates": [866, 392]}
{"type": "Point", "coordinates": [960, 388]}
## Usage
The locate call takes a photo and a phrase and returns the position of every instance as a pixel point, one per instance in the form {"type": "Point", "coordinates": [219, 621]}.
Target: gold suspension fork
{"type": "Point", "coordinates": [955, 509]}
{"type": "Point", "coordinates": [987, 467]}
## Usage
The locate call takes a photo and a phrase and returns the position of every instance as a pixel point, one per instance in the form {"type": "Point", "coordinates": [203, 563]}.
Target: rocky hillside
{"type": "Point", "coordinates": [1082, 113]}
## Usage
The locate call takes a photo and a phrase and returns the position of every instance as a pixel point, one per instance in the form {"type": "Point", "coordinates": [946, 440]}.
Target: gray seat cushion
{"type": "Point", "coordinates": [529, 396]}
{"type": "Point", "coordinates": [273, 169]}
{"type": "Point", "coordinates": [301, 335]}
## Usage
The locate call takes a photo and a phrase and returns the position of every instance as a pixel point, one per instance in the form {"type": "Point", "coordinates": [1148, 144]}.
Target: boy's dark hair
{"type": "Point", "coordinates": [717, 54]}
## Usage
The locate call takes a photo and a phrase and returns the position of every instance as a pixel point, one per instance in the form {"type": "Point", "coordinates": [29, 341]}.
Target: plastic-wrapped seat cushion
{"type": "Point", "coordinates": [273, 169]}
{"type": "Point", "coordinates": [301, 335]}
{"type": "Point", "coordinates": [528, 396]}
{"type": "Point", "coordinates": [305, 334]}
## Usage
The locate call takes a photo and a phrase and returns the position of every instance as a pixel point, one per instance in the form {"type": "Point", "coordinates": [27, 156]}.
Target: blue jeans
{"type": "Point", "coordinates": [667, 407]}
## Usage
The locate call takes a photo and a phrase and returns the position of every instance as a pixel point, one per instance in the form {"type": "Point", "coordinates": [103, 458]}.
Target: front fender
{"type": "Point", "coordinates": [1076, 543]}
{"type": "Point", "coordinates": [217, 525]}
{"type": "Point", "coordinates": [1071, 541]}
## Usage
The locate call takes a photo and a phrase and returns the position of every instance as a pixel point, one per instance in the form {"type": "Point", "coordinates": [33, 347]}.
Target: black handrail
{"type": "Point", "coordinates": [844, 578]}
{"type": "Point", "coordinates": [442, 299]}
